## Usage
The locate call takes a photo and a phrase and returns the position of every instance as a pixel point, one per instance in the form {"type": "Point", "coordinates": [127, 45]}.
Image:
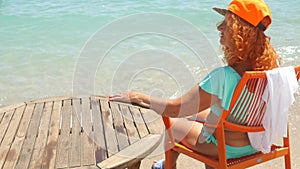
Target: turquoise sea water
{"type": "Point", "coordinates": [43, 45]}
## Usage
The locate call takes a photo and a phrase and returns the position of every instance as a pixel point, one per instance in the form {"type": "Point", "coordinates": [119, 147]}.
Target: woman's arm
{"type": "Point", "coordinates": [192, 102]}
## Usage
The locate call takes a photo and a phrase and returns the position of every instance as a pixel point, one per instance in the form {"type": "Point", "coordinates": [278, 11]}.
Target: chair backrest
{"type": "Point", "coordinates": [247, 106]}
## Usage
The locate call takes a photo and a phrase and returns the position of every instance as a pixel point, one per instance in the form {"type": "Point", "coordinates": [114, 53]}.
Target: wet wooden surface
{"type": "Point", "coordinates": [77, 132]}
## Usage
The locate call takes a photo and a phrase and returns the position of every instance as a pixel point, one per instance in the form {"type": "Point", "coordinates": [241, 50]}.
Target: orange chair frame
{"type": "Point", "coordinates": [238, 163]}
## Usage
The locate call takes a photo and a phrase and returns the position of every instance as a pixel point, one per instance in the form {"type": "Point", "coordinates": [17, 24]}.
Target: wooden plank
{"type": "Point", "coordinates": [30, 138]}
{"type": "Point", "coordinates": [62, 158]}
{"type": "Point", "coordinates": [153, 120]}
{"type": "Point", "coordinates": [120, 129]}
{"type": "Point", "coordinates": [75, 151]}
{"type": "Point", "coordinates": [41, 140]}
{"type": "Point", "coordinates": [5, 123]}
{"type": "Point", "coordinates": [87, 167]}
{"type": "Point", "coordinates": [51, 146]}
{"type": "Point", "coordinates": [100, 145]}
{"type": "Point", "coordinates": [103, 98]}
{"type": "Point", "coordinates": [130, 124]}
{"type": "Point", "coordinates": [11, 107]}
{"type": "Point", "coordinates": [10, 134]}
{"type": "Point", "coordinates": [15, 150]}
{"type": "Point", "coordinates": [87, 146]}
{"type": "Point", "coordinates": [51, 99]}
{"type": "Point", "coordinates": [1, 116]}
{"type": "Point", "coordinates": [134, 152]}
{"type": "Point", "coordinates": [59, 98]}
{"type": "Point", "coordinates": [110, 136]}
{"type": "Point", "coordinates": [139, 121]}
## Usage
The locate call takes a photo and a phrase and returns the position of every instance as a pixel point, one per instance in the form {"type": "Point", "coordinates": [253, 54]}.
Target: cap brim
{"type": "Point", "coordinates": [220, 11]}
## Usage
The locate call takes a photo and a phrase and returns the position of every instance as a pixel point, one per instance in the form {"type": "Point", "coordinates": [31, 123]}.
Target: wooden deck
{"type": "Point", "coordinates": [77, 132]}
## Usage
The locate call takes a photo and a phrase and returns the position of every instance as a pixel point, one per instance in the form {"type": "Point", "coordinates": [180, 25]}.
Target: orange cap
{"type": "Point", "coordinates": [252, 11]}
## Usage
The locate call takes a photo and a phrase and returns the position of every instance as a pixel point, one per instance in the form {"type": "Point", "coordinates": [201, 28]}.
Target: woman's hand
{"type": "Point", "coordinates": [122, 97]}
{"type": "Point", "coordinates": [131, 97]}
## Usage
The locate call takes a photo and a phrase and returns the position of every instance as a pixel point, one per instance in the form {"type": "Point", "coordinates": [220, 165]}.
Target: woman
{"type": "Point", "coordinates": [246, 47]}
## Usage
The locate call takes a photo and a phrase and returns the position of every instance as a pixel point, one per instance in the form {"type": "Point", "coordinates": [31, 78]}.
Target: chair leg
{"type": "Point", "coordinates": [287, 161]}
{"type": "Point", "coordinates": [208, 167]}
{"type": "Point", "coordinates": [286, 143]}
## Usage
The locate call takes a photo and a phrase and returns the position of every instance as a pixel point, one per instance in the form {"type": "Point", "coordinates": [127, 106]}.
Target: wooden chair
{"type": "Point", "coordinates": [245, 114]}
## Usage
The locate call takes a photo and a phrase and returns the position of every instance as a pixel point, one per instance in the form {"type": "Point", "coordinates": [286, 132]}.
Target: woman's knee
{"type": "Point", "coordinates": [185, 130]}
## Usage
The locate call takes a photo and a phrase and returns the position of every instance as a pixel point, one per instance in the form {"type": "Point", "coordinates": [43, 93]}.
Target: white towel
{"type": "Point", "coordinates": [279, 96]}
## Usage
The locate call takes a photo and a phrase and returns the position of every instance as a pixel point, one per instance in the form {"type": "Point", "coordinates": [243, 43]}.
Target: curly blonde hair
{"type": "Point", "coordinates": [249, 46]}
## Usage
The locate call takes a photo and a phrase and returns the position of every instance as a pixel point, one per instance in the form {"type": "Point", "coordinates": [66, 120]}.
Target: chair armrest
{"type": "Point", "coordinates": [242, 128]}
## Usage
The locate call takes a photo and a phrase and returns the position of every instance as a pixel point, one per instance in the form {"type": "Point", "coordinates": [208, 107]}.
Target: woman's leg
{"type": "Point", "coordinates": [188, 133]}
